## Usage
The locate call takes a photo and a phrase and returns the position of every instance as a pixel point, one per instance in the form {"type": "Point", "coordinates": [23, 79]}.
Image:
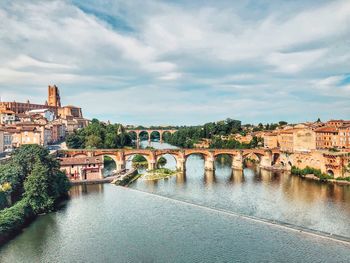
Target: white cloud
{"type": "Point", "coordinates": [296, 61]}
{"type": "Point", "coordinates": [181, 62]}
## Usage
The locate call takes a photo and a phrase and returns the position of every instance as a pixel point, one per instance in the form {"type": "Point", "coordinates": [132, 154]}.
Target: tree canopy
{"type": "Point", "coordinates": [99, 135]}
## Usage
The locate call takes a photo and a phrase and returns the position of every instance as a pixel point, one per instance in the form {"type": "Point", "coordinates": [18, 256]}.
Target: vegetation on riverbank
{"type": "Point", "coordinates": [128, 179]}
{"type": "Point", "coordinates": [218, 143]}
{"type": "Point", "coordinates": [309, 170]}
{"type": "Point", "coordinates": [158, 174]}
{"type": "Point", "coordinates": [139, 161]}
{"type": "Point", "coordinates": [187, 137]}
{"type": "Point", "coordinates": [99, 135]}
{"type": "Point", "coordinates": [343, 179]}
{"type": "Point", "coordinates": [32, 182]}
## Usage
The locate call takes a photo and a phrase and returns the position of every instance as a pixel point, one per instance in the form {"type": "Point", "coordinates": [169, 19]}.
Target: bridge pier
{"type": "Point", "coordinates": [120, 165]}
{"type": "Point", "coordinates": [152, 165]}
{"type": "Point", "coordinates": [209, 163]}
{"type": "Point", "coordinates": [209, 177]}
{"type": "Point", "coordinates": [181, 165]}
{"type": "Point", "coordinates": [266, 161]}
{"type": "Point", "coordinates": [237, 162]}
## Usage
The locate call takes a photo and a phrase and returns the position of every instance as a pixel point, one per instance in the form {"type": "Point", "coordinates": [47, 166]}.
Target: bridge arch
{"type": "Point", "coordinates": [165, 133]}
{"type": "Point", "coordinates": [255, 157]}
{"type": "Point", "coordinates": [153, 132]}
{"type": "Point", "coordinates": [275, 158]}
{"type": "Point", "coordinates": [204, 153]}
{"type": "Point", "coordinates": [172, 156]}
{"type": "Point", "coordinates": [142, 134]}
{"type": "Point", "coordinates": [129, 158]}
{"type": "Point", "coordinates": [109, 169]}
{"type": "Point", "coordinates": [330, 172]}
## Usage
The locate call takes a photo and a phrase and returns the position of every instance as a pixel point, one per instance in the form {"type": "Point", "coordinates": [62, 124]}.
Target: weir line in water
{"type": "Point", "coordinates": [283, 225]}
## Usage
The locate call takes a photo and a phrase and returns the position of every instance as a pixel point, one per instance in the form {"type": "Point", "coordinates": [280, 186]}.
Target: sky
{"type": "Point", "coordinates": [180, 62]}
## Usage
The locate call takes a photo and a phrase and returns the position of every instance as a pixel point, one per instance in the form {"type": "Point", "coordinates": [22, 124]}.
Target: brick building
{"type": "Point", "coordinates": [82, 168]}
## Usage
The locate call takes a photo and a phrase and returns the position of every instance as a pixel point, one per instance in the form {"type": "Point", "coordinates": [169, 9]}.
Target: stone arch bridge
{"type": "Point", "coordinates": [120, 156]}
{"type": "Point", "coordinates": [149, 132]}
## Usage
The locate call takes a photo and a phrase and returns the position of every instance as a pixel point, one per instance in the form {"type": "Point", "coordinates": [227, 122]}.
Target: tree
{"type": "Point", "coordinates": [110, 141]}
{"type": "Point", "coordinates": [99, 135]}
{"type": "Point", "coordinates": [138, 158]}
{"type": "Point", "coordinates": [281, 123]}
{"type": "Point", "coordinates": [27, 156]}
{"type": "Point", "coordinates": [75, 141]}
{"type": "Point", "coordinates": [161, 162]}
{"type": "Point", "coordinates": [93, 141]}
{"type": "Point", "coordinates": [37, 190]}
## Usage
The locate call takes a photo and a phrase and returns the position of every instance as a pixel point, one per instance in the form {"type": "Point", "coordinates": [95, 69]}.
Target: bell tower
{"type": "Point", "coordinates": [54, 96]}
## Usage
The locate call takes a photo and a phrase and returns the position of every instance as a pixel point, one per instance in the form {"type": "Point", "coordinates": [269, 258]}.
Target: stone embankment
{"type": "Point", "coordinates": [127, 178]}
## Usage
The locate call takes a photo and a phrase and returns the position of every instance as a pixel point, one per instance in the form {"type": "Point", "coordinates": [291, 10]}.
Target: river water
{"type": "Point", "coordinates": [196, 217]}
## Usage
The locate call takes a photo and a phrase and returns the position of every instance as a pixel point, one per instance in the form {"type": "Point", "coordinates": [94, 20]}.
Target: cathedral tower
{"type": "Point", "coordinates": [54, 96]}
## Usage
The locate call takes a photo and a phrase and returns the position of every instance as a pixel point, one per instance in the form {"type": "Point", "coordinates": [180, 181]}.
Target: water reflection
{"type": "Point", "coordinates": [84, 189]}
{"type": "Point", "coordinates": [258, 192]}
{"type": "Point", "coordinates": [209, 178]}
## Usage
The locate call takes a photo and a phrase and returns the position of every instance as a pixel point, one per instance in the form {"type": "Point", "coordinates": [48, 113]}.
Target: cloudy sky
{"type": "Point", "coordinates": [180, 62]}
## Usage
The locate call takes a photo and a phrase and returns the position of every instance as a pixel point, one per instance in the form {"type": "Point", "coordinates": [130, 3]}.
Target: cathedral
{"type": "Point", "coordinates": [53, 103]}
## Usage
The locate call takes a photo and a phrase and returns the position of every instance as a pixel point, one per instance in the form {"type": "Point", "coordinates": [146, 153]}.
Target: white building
{"type": "Point", "coordinates": [46, 113]}
{"type": "Point", "coordinates": [7, 117]}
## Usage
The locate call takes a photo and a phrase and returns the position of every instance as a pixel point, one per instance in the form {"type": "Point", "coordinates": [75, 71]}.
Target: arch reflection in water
{"type": "Point", "coordinates": [261, 193]}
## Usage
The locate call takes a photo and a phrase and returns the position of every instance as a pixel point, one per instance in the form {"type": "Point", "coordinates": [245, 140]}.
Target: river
{"type": "Point", "coordinates": [226, 216]}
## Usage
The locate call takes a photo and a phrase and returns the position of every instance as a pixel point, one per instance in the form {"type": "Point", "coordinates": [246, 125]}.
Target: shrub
{"type": "Point", "coordinates": [310, 170]}
{"type": "Point", "coordinates": [12, 219]}
{"type": "Point", "coordinates": [343, 179]}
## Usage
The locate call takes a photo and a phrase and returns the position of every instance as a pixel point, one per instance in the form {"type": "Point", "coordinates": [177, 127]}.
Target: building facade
{"type": "Point", "coordinates": [7, 117]}
{"type": "Point", "coordinates": [344, 136]}
{"type": "Point", "coordinates": [82, 168]}
{"type": "Point", "coordinates": [2, 141]}
{"type": "Point", "coordinates": [327, 137]}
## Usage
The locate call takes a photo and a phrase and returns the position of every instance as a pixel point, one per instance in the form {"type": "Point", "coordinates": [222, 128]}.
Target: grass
{"type": "Point", "coordinates": [158, 174]}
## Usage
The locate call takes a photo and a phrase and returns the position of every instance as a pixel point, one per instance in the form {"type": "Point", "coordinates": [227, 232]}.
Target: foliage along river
{"type": "Point", "coordinates": [193, 218]}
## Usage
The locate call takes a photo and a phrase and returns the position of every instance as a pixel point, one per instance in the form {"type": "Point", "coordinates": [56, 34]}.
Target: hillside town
{"type": "Point", "coordinates": [321, 145]}
{"type": "Point", "coordinates": [45, 124]}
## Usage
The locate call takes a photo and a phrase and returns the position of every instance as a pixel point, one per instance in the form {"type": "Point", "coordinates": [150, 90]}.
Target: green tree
{"type": "Point", "coordinates": [36, 188]}
{"type": "Point", "coordinates": [75, 141]}
{"type": "Point", "coordinates": [93, 141]}
{"type": "Point", "coordinates": [111, 141]}
{"type": "Point", "coordinates": [138, 158]}
{"type": "Point", "coordinates": [161, 162]}
{"type": "Point", "coordinates": [281, 123]}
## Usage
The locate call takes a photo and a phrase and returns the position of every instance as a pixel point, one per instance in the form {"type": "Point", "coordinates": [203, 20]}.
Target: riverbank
{"type": "Point", "coordinates": [127, 178]}
{"type": "Point", "coordinates": [158, 174]}
{"type": "Point", "coordinates": [317, 175]}
{"type": "Point", "coordinates": [35, 186]}
{"type": "Point", "coordinates": [332, 181]}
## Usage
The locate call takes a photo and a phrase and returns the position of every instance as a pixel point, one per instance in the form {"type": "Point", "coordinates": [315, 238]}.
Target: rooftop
{"type": "Point", "coordinates": [81, 160]}
{"type": "Point", "coordinates": [326, 129]}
